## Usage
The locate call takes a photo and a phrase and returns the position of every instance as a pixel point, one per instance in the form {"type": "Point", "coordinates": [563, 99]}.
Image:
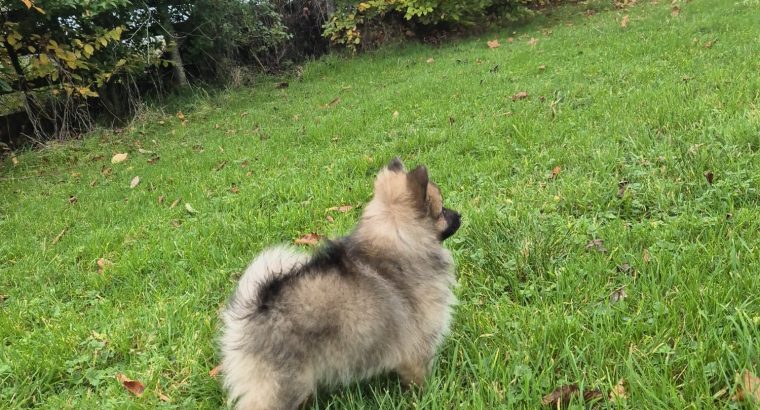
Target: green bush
{"type": "Point", "coordinates": [351, 22]}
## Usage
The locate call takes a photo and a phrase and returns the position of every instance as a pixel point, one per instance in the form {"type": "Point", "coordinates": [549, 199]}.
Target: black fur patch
{"type": "Point", "coordinates": [330, 258]}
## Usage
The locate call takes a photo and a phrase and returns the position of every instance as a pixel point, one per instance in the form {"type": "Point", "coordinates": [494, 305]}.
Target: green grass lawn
{"type": "Point", "coordinates": [657, 104]}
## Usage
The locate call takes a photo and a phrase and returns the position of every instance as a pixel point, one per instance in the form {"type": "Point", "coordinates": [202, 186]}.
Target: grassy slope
{"type": "Point", "coordinates": [649, 104]}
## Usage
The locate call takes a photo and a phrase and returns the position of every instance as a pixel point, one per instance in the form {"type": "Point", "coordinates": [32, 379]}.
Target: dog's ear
{"type": "Point", "coordinates": [417, 181]}
{"type": "Point", "coordinates": [396, 165]}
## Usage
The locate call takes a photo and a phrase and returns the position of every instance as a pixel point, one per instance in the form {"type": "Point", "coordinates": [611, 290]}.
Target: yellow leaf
{"type": "Point", "coordinates": [27, 3]}
{"type": "Point", "coordinates": [78, 42]}
{"type": "Point", "coordinates": [39, 10]}
{"type": "Point", "coordinates": [103, 41]}
{"type": "Point", "coordinates": [363, 6]}
{"type": "Point", "coordinates": [121, 62]}
{"type": "Point", "coordinates": [88, 50]}
{"type": "Point", "coordinates": [31, 49]}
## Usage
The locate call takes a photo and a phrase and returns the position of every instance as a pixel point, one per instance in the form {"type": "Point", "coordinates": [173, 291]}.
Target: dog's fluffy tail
{"type": "Point", "coordinates": [248, 379]}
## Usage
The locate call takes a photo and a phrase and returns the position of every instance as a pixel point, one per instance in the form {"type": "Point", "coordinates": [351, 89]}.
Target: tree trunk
{"type": "Point", "coordinates": [178, 66]}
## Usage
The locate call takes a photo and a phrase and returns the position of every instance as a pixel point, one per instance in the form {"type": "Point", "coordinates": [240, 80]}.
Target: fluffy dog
{"type": "Point", "coordinates": [374, 301]}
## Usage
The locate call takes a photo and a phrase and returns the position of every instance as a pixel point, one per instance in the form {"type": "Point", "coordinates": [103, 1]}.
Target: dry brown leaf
{"type": "Point", "coordinates": [510, 40]}
{"type": "Point", "coordinates": [215, 371]}
{"type": "Point", "coordinates": [675, 11]}
{"type": "Point", "coordinates": [135, 181]}
{"type": "Point", "coordinates": [181, 117]}
{"type": "Point", "coordinates": [622, 186]}
{"type": "Point", "coordinates": [311, 238]}
{"type": "Point", "coordinates": [244, 164]}
{"type": "Point", "coordinates": [102, 263]}
{"type": "Point", "coordinates": [119, 158]}
{"type": "Point", "coordinates": [220, 166]}
{"type": "Point", "coordinates": [709, 43]}
{"type": "Point", "coordinates": [532, 42]}
{"type": "Point", "coordinates": [72, 199]}
{"type": "Point", "coordinates": [430, 60]}
{"type": "Point", "coordinates": [562, 395]}
{"type": "Point", "coordinates": [625, 268]}
{"type": "Point", "coordinates": [749, 390]}
{"type": "Point", "coordinates": [14, 160]}
{"type": "Point", "coordinates": [555, 171]}
{"type": "Point", "coordinates": [174, 203]}
{"type": "Point", "coordinates": [144, 151]}
{"type": "Point", "coordinates": [153, 160]}
{"type": "Point", "coordinates": [709, 177]}
{"type": "Point", "coordinates": [330, 218]}
{"type": "Point", "coordinates": [161, 199]}
{"type": "Point", "coordinates": [597, 245]}
{"type": "Point", "coordinates": [163, 397]}
{"type": "Point", "coordinates": [332, 103]}
{"type": "Point", "coordinates": [106, 171]}
{"type": "Point", "coordinates": [624, 21]}
{"type": "Point", "coordinates": [342, 209]}
{"type": "Point", "coordinates": [493, 43]}
{"type": "Point", "coordinates": [645, 256]}
{"type": "Point", "coordinates": [3, 298]}
{"type": "Point", "coordinates": [58, 237]}
{"type": "Point", "coordinates": [134, 386]}
{"type": "Point", "coordinates": [520, 96]}
{"type": "Point", "coordinates": [618, 295]}
{"type": "Point", "coordinates": [618, 392]}
{"type": "Point", "coordinates": [234, 189]}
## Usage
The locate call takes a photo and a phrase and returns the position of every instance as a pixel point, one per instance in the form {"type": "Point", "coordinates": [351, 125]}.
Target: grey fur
{"type": "Point", "coordinates": [377, 300]}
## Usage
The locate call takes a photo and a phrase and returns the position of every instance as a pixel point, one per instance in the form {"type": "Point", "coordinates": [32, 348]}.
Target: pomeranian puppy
{"type": "Point", "coordinates": [375, 301]}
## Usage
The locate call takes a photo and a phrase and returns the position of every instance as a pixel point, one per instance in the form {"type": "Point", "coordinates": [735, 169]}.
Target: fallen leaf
{"type": "Point", "coordinates": [94, 182]}
{"type": "Point", "coordinates": [624, 21]}
{"type": "Point", "coordinates": [597, 245]}
{"type": "Point", "coordinates": [675, 11]}
{"type": "Point", "coordinates": [749, 390]}
{"type": "Point", "coordinates": [532, 42]}
{"type": "Point", "coordinates": [163, 397]}
{"type": "Point", "coordinates": [14, 160]}
{"type": "Point", "coordinates": [395, 114]}
{"type": "Point", "coordinates": [119, 158]}
{"type": "Point", "coordinates": [102, 263]}
{"type": "Point", "coordinates": [144, 151]}
{"type": "Point", "coordinates": [493, 43]}
{"type": "Point", "coordinates": [618, 295]}
{"type": "Point", "coordinates": [709, 43]}
{"type": "Point", "coordinates": [308, 239]}
{"type": "Point", "coordinates": [176, 223]}
{"type": "Point", "coordinates": [645, 256]}
{"type": "Point", "coordinates": [215, 371]}
{"type": "Point", "coordinates": [341, 209]}
{"type": "Point", "coordinates": [618, 392]}
{"type": "Point", "coordinates": [562, 395]}
{"type": "Point", "coordinates": [555, 171]}
{"type": "Point", "coordinates": [510, 40]}
{"type": "Point", "coordinates": [520, 96]}
{"type": "Point", "coordinates": [72, 199]}
{"type": "Point", "coordinates": [153, 160]}
{"type": "Point", "coordinates": [281, 85]}
{"type": "Point", "coordinates": [161, 199]}
{"type": "Point", "coordinates": [542, 67]}
{"type": "Point", "coordinates": [174, 203]}
{"type": "Point", "coordinates": [622, 186]}
{"type": "Point", "coordinates": [106, 171]}
{"type": "Point", "coordinates": [430, 60]}
{"type": "Point", "coordinates": [709, 177]}
{"type": "Point", "coordinates": [220, 166]}
{"type": "Point", "coordinates": [135, 182]}
{"type": "Point", "coordinates": [3, 298]}
{"type": "Point", "coordinates": [330, 218]}
{"type": "Point", "coordinates": [243, 114]}
{"type": "Point", "coordinates": [234, 189]}
{"type": "Point", "coordinates": [134, 386]}
{"type": "Point", "coordinates": [333, 103]}
{"type": "Point", "coordinates": [625, 268]}
{"type": "Point", "coordinates": [189, 208]}
{"type": "Point", "coordinates": [244, 164]}
{"type": "Point", "coordinates": [58, 237]}
{"type": "Point", "coordinates": [181, 117]}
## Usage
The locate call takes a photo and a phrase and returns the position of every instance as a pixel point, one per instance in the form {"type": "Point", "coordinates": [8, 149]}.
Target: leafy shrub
{"type": "Point", "coordinates": [348, 26]}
